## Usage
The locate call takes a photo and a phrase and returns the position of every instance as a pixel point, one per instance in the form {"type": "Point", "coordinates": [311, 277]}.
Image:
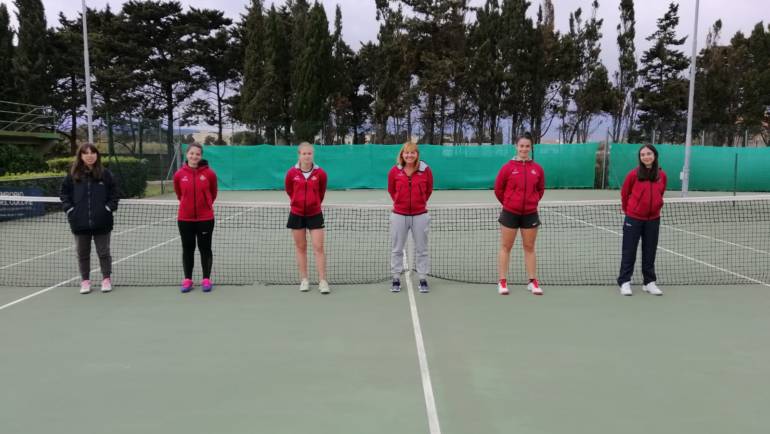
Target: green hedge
{"type": "Point", "coordinates": [19, 159]}
{"type": "Point", "coordinates": [130, 172]}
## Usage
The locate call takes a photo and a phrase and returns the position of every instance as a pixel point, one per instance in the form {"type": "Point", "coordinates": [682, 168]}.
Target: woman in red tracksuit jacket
{"type": "Point", "coordinates": [642, 199]}
{"type": "Point", "coordinates": [195, 185]}
{"type": "Point", "coordinates": [410, 184]}
{"type": "Point", "coordinates": [306, 186]}
{"type": "Point", "coordinates": [519, 186]}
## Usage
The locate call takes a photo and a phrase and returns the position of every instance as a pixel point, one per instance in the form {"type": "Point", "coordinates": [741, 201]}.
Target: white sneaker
{"type": "Point", "coordinates": [534, 287]}
{"type": "Point", "coordinates": [106, 285]}
{"type": "Point", "coordinates": [85, 287]}
{"type": "Point", "coordinates": [323, 286]}
{"type": "Point", "coordinates": [304, 286]}
{"type": "Point", "coordinates": [652, 289]}
{"type": "Point", "coordinates": [625, 289]}
{"type": "Point", "coordinates": [502, 287]}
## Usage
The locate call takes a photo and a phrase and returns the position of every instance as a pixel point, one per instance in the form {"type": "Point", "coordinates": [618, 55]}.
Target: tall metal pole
{"type": "Point", "coordinates": [685, 175]}
{"type": "Point", "coordinates": [86, 61]}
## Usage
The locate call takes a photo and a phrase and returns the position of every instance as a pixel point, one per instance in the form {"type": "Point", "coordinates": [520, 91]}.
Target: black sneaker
{"type": "Point", "coordinates": [424, 286]}
{"type": "Point", "coordinates": [396, 287]}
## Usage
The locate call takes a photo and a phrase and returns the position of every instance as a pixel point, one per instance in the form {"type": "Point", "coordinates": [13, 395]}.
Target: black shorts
{"type": "Point", "coordinates": [515, 221]}
{"type": "Point", "coordinates": [305, 222]}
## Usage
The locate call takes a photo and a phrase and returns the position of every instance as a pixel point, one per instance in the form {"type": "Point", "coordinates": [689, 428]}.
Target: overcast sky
{"type": "Point", "coordinates": [360, 25]}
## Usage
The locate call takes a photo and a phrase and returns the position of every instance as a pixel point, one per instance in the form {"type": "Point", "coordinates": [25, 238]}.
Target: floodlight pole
{"type": "Point", "coordinates": [685, 175]}
{"type": "Point", "coordinates": [87, 63]}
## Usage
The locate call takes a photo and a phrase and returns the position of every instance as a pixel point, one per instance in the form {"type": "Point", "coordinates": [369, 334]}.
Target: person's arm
{"type": "Point", "coordinates": [213, 186]}
{"type": "Point", "coordinates": [113, 192]}
{"type": "Point", "coordinates": [429, 190]}
{"type": "Point", "coordinates": [500, 183]}
{"type": "Point", "coordinates": [322, 185]}
{"type": "Point", "coordinates": [541, 184]}
{"type": "Point", "coordinates": [65, 194]}
{"type": "Point", "coordinates": [288, 184]}
{"type": "Point", "coordinates": [625, 191]}
{"type": "Point", "coordinates": [392, 185]}
{"type": "Point", "coordinates": [177, 186]}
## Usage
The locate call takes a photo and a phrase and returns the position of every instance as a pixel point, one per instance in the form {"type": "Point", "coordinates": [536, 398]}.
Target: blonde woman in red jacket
{"type": "Point", "coordinates": [195, 185]}
{"type": "Point", "coordinates": [410, 184]}
{"type": "Point", "coordinates": [641, 198]}
{"type": "Point", "coordinates": [306, 186]}
{"type": "Point", "coordinates": [519, 186]}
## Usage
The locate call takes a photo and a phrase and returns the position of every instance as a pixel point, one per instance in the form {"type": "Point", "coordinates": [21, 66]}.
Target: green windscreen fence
{"type": "Point", "coordinates": [711, 168]}
{"type": "Point", "coordinates": [263, 167]}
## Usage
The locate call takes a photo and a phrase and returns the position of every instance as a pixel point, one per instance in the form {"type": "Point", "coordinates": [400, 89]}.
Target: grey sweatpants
{"type": "Point", "coordinates": [83, 247]}
{"type": "Point", "coordinates": [400, 225]}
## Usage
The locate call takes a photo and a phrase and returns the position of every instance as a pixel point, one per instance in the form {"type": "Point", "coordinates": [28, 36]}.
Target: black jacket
{"type": "Point", "coordinates": [89, 203]}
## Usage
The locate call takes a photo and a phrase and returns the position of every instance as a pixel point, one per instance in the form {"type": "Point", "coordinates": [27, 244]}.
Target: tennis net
{"type": "Point", "coordinates": [703, 241]}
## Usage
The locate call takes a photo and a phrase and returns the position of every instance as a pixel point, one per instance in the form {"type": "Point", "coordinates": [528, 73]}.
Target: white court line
{"type": "Point", "coordinates": [43, 291]}
{"type": "Point", "coordinates": [64, 249]}
{"type": "Point", "coordinates": [427, 385]}
{"type": "Point", "coordinates": [698, 261]}
{"type": "Point", "coordinates": [729, 243]}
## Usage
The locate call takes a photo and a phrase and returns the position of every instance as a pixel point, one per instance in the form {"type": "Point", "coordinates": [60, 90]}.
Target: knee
{"type": "Point", "coordinates": [529, 247]}
{"type": "Point", "coordinates": [318, 249]}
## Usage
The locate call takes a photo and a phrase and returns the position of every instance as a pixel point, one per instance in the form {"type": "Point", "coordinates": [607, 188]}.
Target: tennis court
{"type": "Point", "coordinates": [266, 358]}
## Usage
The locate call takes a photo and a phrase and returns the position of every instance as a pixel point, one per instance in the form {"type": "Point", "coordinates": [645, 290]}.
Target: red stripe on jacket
{"type": "Point", "coordinates": [519, 186]}
{"type": "Point", "coordinates": [306, 194]}
{"type": "Point", "coordinates": [643, 200]}
{"type": "Point", "coordinates": [410, 194]}
{"type": "Point", "coordinates": [196, 189]}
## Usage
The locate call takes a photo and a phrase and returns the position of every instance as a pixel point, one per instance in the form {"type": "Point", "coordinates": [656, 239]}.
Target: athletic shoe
{"type": "Point", "coordinates": [652, 289]}
{"type": "Point", "coordinates": [534, 287]}
{"type": "Point", "coordinates": [85, 287]}
{"type": "Point", "coordinates": [206, 285]}
{"type": "Point", "coordinates": [625, 289]}
{"type": "Point", "coordinates": [396, 287]}
{"type": "Point", "coordinates": [323, 286]}
{"type": "Point", "coordinates": [187, 286]}
{"type": "Point", "coordinates": [304, 286]}
{"type": "Point", "coordinates": [106, 284]}
{"type": "Point", "coordinates": [424, 286]}
{"type": "Point", "coordinates": [502, 287]}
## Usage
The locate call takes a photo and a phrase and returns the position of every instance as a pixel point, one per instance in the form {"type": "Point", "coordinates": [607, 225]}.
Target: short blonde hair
{"type": "Point", "coordinates": [407, 147]}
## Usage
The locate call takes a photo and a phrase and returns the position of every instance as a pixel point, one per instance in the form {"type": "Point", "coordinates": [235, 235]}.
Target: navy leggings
{"type": "Point", "coordinates": [202, 233]}
{"type": "Point", "coordinates": [633, 230]}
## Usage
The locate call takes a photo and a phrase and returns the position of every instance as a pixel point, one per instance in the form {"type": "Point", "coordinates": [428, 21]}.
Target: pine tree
{"type": "Point", "coordinates": [663, 94]}
{"type": "Point", "coordinates": [30, 61]}
{"type": "Point", "coordinates": [624, 104]}
{"type": "Point", "coordinates": [6, 56]}
{"type": "Point", "coordinates": [253, 33]}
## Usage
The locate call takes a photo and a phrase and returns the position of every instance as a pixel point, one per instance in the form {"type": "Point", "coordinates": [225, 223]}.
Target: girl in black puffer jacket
{"type": "Point", "coordinates": [89, 196]}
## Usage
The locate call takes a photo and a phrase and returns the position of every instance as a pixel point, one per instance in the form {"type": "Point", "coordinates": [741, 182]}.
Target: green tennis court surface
{"type": "Point", "coordinates": [270, 359]}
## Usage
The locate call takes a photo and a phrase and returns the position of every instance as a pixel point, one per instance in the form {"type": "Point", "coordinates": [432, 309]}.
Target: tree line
{"type": "Point", "coordinates": [439, 70]}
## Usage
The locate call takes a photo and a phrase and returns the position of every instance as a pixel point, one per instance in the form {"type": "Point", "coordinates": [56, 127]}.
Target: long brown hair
{"type": "Point", "coordinates": [407, 147]}
{"type": "Point", "coordinates": [645, 174]}
{"type": "Point", "coordinates": [79, 168]}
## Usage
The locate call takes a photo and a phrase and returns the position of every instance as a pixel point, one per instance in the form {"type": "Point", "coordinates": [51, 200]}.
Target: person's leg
{"type": "Point", "coordinates": [528, 237]}
{"type": "Point", "coordinates": [204, 235]}
{"type": "Point", "coordinates": [507, 238]}
{"type": "Point", "coordinates": [399, 229]}
{"type": "Point", "coordinates": [632, 231]}
{"type": "Point", "coordinates": [187, 234]}
{"type": "Point", "coordinates": [83, 250]}
{"type": "Point", "coordinates": [649, 249]}
{"type": "Point", "coordinates": [317, 236]}
{"type": "Point", "coordinates": [420, 229]}
{"type": "Point", "coordinates": [300, 249]}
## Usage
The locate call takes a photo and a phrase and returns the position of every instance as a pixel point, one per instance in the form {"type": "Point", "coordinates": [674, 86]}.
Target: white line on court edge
{"type": "Point", "coordinates": [427, 386]}
{"type": "Point", "coordinates": [681, 255]}
{"type": "Point", "coordinates": [43, 291]}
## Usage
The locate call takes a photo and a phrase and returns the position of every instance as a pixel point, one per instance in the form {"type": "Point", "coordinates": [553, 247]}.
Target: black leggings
{"type": "Point", "coordinates": [202, 231]}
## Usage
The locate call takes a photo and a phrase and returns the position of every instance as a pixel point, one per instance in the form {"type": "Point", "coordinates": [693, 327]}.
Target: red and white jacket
{"type": "Point", "coordinates": [519, 186]}
{"type": "Point", "coordinates": [196, 189]}
{"type": "Point", "coordinates": [643, 200]}
{"type": "Point", "coordinates": [306, 194]}
{"type": "Point", "coordinates": [410, 194]}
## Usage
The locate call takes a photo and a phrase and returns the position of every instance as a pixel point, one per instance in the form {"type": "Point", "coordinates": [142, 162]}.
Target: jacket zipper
{"type": "Point", "coordinates": [524, 196]}
{"type": "Point", "coordinates": [410, 194]}
{"type": "Point", "coordinates": [90, 217]}
{"type": "Point", "coordinates": [195, 193]}
{"type": "Point", "coordinates": [306, 178]}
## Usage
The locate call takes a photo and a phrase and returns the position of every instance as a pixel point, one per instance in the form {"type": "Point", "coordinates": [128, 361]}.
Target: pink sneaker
{"type": "Point", "coordinates": [206, 285]}
{"type": "Point", "coordinates": [534, 287]}
{"type": "Point", "coordinates": [106, 285]}
{"type": "Point", "coordinates": [187, 285]}
{"type": "Point", "coordinates": [502, 287]}
{"type": "Point", "coordinates": [85, 287]}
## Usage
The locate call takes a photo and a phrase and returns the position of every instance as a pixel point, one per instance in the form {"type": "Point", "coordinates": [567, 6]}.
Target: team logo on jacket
{"type": "Point", "coordinates": [314, 178]}
{"type": "Point", "coordinates": [515, 172]}
{"type": "Point", "coordinates": [533, 172]}
{"type": "Point", "coordinates": [203, 178]}
{"type": "Point", "coordinates": [185, 179]}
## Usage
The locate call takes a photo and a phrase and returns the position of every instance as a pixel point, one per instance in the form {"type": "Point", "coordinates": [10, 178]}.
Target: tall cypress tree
{"type": "Point", "coordinates": [342, 81]}
{"type": "Point", "coordinates": [312, 77]}
{"type": "Point", "coordinates": [663, 94]}
{"type": "Point", "coordinates": [624, 104]}
{"type": "Point", "coordinates": [30, 62]}
{"type": "Point", "coordinates": [253, 34]}
{"type": "Point", "coordinates": [6, 56]}
{"type": "Point", "coordinates": [274, 93]}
